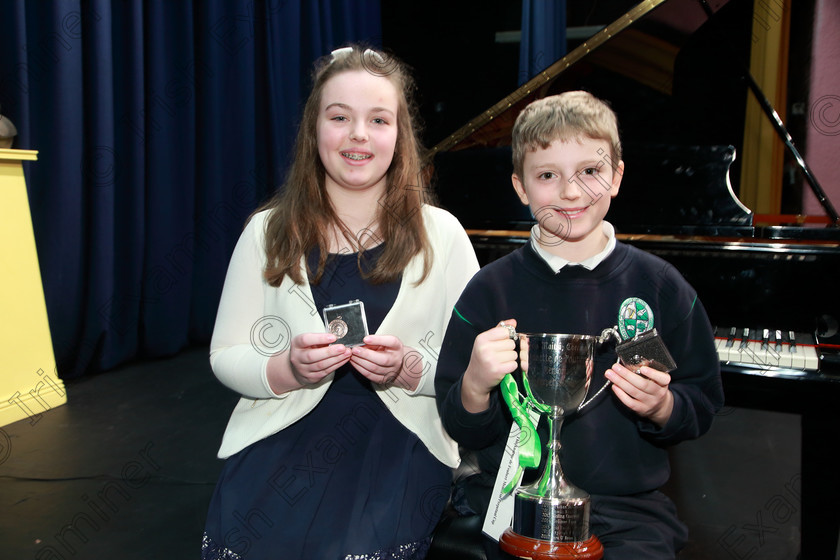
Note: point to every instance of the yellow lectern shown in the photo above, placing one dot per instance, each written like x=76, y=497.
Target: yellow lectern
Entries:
x=29, y=382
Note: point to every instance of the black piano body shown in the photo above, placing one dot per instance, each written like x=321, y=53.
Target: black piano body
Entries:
x=769, y=287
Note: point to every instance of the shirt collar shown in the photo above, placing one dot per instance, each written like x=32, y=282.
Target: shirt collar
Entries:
x=557, y=263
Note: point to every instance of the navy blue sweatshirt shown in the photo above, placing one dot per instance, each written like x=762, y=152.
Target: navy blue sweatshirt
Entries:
x=606, y=448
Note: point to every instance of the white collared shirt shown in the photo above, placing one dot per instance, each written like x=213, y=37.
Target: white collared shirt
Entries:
x=557, y=263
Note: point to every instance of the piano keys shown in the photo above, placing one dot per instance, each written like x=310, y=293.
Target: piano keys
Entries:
x=770, y=351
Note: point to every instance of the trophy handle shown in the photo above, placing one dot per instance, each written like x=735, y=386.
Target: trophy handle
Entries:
x=606, y=384
x=606, y=335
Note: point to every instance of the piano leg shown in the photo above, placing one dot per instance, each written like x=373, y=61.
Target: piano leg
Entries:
x=820, y=485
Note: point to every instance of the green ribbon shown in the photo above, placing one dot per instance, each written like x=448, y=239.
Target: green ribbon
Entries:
x=529, y=441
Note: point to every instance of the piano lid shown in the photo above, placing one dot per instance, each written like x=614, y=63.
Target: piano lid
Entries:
x=673, y=72
x=641, y=45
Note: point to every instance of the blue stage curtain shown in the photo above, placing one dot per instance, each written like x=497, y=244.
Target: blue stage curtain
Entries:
x=160, y=126
x=543, y=38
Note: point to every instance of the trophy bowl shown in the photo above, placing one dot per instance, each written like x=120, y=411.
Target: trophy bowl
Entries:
x=551, y=516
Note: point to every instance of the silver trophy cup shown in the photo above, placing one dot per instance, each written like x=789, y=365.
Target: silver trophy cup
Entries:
x=551, y=516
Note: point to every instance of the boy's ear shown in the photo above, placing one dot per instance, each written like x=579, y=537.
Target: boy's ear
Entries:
x=520, y=189
x=618, y=174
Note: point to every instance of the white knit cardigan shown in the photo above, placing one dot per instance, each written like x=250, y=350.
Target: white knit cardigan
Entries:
x=256, y=320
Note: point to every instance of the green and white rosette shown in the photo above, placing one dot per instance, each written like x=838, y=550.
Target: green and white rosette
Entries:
x=634, y=317
x=641, y=345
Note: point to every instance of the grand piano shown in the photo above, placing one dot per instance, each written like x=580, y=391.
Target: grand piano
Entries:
x=668, y=70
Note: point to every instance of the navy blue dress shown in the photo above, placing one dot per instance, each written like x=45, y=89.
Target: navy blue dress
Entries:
x=345, y=481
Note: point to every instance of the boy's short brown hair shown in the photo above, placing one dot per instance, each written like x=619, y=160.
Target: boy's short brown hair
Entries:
x=563, y=117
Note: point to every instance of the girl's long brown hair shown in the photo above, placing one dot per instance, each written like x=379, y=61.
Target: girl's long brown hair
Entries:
x=302, y=216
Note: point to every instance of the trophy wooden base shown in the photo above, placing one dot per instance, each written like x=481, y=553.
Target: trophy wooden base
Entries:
x=536, y=549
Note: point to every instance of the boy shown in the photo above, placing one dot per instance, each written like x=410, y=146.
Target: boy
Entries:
x=573, y=277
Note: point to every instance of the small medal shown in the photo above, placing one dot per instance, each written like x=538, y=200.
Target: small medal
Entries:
x=338, y=327
x=347, y=322
x=634, y=317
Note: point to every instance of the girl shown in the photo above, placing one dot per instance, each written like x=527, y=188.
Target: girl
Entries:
x=336, y=451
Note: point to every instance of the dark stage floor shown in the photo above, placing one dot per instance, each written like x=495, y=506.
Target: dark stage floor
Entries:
x=126, y=468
